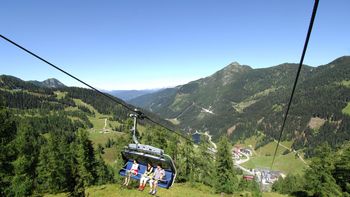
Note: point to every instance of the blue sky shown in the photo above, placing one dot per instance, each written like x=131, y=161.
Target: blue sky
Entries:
x=138, y=44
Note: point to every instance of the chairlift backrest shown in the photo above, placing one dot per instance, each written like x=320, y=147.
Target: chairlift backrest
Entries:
x=146, y=149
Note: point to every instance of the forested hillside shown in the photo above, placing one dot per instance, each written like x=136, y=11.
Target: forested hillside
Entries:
x=68, y=139
x=45, y=143
x=240, y=101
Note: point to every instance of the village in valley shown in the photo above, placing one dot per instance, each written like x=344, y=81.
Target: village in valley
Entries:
x=240, y=155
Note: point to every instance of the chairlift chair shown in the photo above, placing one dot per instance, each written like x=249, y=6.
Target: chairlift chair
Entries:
x=145, y=154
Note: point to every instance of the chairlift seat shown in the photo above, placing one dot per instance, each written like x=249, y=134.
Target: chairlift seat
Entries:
x=143, y=158
x=164, y=183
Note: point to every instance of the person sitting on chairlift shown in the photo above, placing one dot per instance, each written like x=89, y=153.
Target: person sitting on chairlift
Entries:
x=133, y=171
x=158, y=175
x=148, y=175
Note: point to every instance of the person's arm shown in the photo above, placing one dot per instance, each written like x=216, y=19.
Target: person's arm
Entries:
x=162, y=175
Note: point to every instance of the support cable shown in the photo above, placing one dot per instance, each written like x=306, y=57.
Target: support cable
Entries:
x=112, y=98
x=297, y=77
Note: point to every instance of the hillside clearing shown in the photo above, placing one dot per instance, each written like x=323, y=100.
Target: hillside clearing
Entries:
x=262, y=157
x=316, y=123
x=346, y=110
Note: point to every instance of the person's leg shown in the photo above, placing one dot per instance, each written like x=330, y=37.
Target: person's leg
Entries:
x=151, y=185
x=155, y=184
x=126, y=178
x=129, y=176
x=142, y=182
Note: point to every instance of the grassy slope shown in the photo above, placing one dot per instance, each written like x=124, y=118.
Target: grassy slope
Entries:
x=98, y=122
x=114, y=190
x=346, y=110
x=110, y=154
x=272, y=194
x=96, y=134
x=178, y=190
x=99, y=119
x=262, y=157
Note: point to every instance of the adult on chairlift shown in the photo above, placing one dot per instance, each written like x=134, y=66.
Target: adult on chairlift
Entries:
x=133, y=171
x=158, y=176
x=148, y=175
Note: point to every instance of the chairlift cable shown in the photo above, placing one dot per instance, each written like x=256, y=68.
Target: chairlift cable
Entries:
x=297, y=77
x=93, y=88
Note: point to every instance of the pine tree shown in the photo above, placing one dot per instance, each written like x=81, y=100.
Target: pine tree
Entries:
x=54, y=163
x=27, y=147
x=204, y=165
x=172, y=147
x=318, y=177
x=84, y=153
x=185, y=162
x=289, y=185
x=76, y=187
x=226, y=180
x=103, y=173
x=8, y=132
x=342, y=171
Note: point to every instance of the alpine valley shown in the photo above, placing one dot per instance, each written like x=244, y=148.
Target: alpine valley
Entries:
x=241, y=102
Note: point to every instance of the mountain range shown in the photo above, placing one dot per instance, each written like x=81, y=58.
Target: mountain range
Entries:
x=237, y=101
x=240, y=102
x=49, y=83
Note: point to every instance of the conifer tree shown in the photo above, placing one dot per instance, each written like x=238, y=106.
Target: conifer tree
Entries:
x=103, y=173
x=318, y=177
x=342, y=171
x=8, y=132
x=185, y=162
x=54, y=163
x=76, y=187
x=84, y=153
x=226, y=180
x=172, y=147
x=27, y=147
x=290, y=184
x=204, y=165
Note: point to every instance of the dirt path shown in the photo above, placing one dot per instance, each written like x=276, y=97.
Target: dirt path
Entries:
x=241, y=161
x=302, y=159
x=104, y=127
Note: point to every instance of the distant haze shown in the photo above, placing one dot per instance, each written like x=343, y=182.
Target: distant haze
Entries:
x=127, y=95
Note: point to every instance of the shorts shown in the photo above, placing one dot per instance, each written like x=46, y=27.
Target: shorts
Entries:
x=134, y=172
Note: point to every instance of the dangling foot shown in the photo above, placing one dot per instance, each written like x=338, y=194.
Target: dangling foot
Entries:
x=154, y=192
x=151, y=191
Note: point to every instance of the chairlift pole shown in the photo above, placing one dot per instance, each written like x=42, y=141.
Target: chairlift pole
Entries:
x=138, y=114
